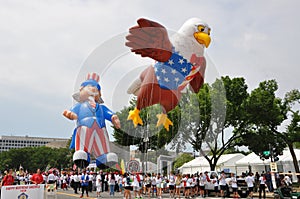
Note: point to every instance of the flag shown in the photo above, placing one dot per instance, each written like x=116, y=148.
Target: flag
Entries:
x=122, y=167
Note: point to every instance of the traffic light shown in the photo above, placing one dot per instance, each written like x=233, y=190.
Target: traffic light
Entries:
x=266, y=154
x=276, y=153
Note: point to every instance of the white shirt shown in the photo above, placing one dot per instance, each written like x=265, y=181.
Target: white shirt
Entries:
x=158, y=180
x=261, y=180
x=153, y=182
x=189, y=182
x=91, y=177
x=233, y=182
x=51, y=177
x=119, y=179
x=287, y=180
x=76, y=178
x=98, y=180
x=222, y=180
x=215, y=181
x=135, y=182
x=202, y=180
x=171, y=180
x=250, y=181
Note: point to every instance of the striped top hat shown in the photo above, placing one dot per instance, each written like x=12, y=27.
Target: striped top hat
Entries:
x=92, y=79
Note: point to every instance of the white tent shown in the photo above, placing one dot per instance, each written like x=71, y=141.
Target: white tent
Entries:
x=252, y=160
x=200, y=164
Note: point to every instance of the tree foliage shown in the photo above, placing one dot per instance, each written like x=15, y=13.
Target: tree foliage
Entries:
x=220, y=117
x=183, y=158
x=265, y=114
x=220, y=107
x=32, y=158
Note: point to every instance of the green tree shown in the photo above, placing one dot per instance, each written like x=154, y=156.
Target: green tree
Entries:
x=221, y=109
x=180, y=160
x=263, y=111
x=265, y=114
x=32, y=158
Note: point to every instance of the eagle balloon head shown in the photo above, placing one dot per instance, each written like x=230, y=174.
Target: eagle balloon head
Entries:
x=197, y=29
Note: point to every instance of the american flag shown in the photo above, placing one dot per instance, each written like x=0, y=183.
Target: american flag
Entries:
x=172, y=73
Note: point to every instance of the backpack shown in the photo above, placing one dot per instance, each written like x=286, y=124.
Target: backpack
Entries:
x=128, y=181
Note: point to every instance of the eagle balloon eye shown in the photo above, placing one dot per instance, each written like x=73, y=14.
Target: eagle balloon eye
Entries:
x=201, y=28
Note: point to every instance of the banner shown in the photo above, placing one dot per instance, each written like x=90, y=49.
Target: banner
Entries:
x=23, y=192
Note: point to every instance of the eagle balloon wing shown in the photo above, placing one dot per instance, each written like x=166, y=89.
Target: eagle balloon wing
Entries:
x=150, y=39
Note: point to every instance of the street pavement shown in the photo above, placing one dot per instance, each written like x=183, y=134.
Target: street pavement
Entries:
x=69, y=194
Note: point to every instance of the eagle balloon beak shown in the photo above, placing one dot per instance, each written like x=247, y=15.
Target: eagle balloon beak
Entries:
x=202, y=38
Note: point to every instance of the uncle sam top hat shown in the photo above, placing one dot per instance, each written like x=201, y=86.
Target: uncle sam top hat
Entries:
x=92, y=79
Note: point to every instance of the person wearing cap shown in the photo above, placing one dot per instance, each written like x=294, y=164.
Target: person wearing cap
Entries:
x=90, y=134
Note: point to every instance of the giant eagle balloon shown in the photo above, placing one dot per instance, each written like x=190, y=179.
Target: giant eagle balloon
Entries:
x=179, y=61
x=90, y=134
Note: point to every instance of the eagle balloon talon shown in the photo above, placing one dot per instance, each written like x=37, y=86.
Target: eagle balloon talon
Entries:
x=135, y=117
x=164, y=120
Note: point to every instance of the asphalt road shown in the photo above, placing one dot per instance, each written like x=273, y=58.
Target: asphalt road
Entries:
x=69, y=194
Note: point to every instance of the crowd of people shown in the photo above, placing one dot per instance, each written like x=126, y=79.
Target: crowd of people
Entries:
x=147, y=185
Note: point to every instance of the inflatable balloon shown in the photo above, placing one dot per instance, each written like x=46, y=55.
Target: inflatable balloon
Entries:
x=90, y=134
x=179, y=61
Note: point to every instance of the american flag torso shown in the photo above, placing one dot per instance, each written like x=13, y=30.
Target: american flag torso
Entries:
x=177, y=72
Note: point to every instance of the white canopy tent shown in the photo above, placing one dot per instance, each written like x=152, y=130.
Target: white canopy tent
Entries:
x=200, y=164
x=252, y=160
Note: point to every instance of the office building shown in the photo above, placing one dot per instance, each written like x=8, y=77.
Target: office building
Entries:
x=15, y=142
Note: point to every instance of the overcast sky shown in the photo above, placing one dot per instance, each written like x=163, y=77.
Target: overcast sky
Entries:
x=46, y=47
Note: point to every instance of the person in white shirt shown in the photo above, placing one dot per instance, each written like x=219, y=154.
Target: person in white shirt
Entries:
x=51, y=178
x=172, y=184
x=234, y=185
x=153, y=183
x=287, y=180
x=76, y=182
x=188, y=183
x=262, y=185
x=214, y=180
x=119, y=181
x=136, y=185
x=159, y=185
x=98, y=184
x=250, y=183
x=222, y=183
x=202, y=181
x=127, y=186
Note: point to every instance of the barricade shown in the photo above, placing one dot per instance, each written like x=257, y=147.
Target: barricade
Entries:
x=23, y=191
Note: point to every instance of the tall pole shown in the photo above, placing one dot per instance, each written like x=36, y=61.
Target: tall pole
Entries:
x=272, y=160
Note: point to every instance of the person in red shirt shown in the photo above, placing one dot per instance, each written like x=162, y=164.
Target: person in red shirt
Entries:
x=8, y=179
x=37, y=178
